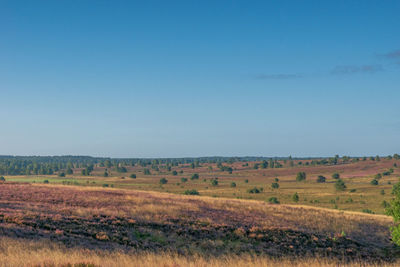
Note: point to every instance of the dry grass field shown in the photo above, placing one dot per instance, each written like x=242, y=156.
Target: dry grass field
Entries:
x=48, y=220
x=52, y=225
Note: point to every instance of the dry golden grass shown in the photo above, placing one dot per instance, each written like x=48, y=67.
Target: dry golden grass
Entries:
x=19, y=253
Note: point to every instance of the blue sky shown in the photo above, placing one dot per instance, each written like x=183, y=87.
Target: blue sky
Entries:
x=199, y=78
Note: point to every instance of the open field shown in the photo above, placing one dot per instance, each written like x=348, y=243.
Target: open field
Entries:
x=360, y=194
x=147, y=215
x=78, y=221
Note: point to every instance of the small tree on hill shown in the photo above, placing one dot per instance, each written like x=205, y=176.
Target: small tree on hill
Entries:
x=163, y=181
x=336, y=175
x=321, y=179
x=340, y=185
x=301, y=176
x=295, y=197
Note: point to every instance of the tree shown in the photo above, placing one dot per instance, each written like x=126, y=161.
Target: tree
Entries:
x=394, y=211
x=105, y=174
x=70, y=171
x=301, y=176
x=163, y=181
x=295, y=197
x=174, y=173
x=233, y=184
x=133, y=176
x=340, y=185
x=336, y=175
x=321, y=179
x=61, y=174
x=146, y=171
x=214, y=182
x=195, y=176
x=2, y=179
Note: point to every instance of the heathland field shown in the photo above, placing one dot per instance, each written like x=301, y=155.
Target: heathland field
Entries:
x=239, y=180
x=238, y=213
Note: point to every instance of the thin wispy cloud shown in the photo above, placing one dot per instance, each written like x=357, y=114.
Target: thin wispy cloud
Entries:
x=354, y=69
x=393, y=56
x=277, y=76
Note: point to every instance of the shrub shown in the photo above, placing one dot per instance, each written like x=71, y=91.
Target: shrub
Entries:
x=246, y=181
x=105, y=174
x=336, y=175
x=394, y=211
x=274, y=185
x=353, y=190
x=276, y=180
x=184, y=180
x=233, y=184
x=174, y=173
x=382, y=192
x=163, y=181
x=46, y=181
x=321, y=179
x=146, y=172
x=340, y=185
x=254, y=190
x=195, y=176
x=191, y=192
x=386, y=173
x=368, y=211
x=301, y=176
x=2, y=179
x=133, y=176
x=70, y=171
x=374, y=182
x=61, y=174
x=273, y=200
x=378, y=176
x=295, y=197
x=214, y=182
x=105, y=185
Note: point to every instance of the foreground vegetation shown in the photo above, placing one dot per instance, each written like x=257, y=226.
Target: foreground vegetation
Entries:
x=188, y=212
x=127, y=221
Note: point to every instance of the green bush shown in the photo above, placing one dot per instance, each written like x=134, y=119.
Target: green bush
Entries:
x=340, y=185
x=274, y=185
x=2, y=179
x=191, y=192
x=174, y=173
x=133, y=176
x=374, y=182
x=321, y=179
x=276, y=180
x=46, y=181
x=195, y=176
x=255, y=190
x=246, y=181
x=336, y=175
x=214, y=182
x=233, y=184
x=163, y=181
x=368, y=211
x=273, y=200
x=378, y=176
x=295, y=197
x=301, y=176
x=184, y=180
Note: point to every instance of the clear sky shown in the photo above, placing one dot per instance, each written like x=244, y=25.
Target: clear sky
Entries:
x=199, y=78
